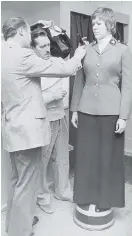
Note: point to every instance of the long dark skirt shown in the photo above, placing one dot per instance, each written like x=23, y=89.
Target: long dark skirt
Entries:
x=99, y=169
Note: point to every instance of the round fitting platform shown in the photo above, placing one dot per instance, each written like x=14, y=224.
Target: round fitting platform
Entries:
x=92, y=220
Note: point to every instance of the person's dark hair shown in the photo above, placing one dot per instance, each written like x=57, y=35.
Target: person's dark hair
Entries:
x=11, y=26
x=107, y=15
x=38, y=32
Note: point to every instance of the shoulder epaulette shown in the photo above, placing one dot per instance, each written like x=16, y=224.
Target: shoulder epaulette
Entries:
x=123, y=42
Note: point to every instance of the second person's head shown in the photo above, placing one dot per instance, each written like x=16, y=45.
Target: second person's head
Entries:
x=41, y=43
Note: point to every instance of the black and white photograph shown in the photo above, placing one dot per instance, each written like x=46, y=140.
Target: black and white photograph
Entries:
x=66, y=118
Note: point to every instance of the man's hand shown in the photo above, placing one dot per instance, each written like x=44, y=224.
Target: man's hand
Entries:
x=59, y=94
x=85, y=40
x=64, y=93
x=74, y=119
x=80, y=52
x=120, y=126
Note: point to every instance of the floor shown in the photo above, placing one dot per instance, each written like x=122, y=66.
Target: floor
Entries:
x=61, y=222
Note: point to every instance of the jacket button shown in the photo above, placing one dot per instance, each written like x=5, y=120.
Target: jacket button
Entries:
x=95, y=94
x=98, y=64
x=97, y=74
x=96, y=84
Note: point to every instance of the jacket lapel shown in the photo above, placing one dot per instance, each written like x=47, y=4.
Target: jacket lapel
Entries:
x=95, y=47
x=108, y=47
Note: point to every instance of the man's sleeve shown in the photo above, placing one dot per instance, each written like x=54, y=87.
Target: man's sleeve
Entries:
x=48, y=96
x=126, y=88
x=33, y=66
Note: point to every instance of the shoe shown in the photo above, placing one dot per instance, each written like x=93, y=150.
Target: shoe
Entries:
x=35, y=220
x=46, y=208
x=69, y=199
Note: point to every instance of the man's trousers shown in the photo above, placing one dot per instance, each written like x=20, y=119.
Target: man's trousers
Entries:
x=23, y=191
x=58, y=151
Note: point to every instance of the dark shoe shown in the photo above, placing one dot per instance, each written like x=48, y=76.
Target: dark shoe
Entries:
x=35, y=220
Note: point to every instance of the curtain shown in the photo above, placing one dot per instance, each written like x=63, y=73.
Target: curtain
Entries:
x=119, y=35
x=80, y=24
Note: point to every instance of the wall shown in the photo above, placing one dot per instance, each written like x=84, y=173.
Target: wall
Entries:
x=88, y=7
x=31, y=11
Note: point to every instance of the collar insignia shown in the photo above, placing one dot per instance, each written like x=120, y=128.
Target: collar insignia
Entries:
x=113, y=41
x=94, y=42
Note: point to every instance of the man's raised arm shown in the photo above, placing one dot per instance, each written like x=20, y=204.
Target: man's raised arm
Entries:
x=33, y=66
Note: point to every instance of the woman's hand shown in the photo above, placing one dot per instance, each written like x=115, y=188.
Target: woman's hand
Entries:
x=74, y=119
x=120, y=126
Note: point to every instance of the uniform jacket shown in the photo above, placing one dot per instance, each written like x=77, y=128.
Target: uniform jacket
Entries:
x=104, y=85
x=24, y=114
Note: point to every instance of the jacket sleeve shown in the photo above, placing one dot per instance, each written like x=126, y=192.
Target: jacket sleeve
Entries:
x=33, y=66
x=48, y=96
x=126, y=87
x=77, y=90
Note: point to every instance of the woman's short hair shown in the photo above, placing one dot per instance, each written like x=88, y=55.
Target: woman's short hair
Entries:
x=107, y=16
x=11, y=26
x=37, y=33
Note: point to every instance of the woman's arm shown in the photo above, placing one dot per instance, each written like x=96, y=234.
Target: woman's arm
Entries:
x=126, y=88
x=126, y=91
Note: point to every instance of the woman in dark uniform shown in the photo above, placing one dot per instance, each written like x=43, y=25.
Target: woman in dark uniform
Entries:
x=101, y=104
